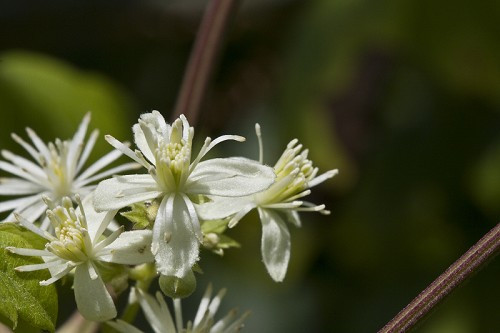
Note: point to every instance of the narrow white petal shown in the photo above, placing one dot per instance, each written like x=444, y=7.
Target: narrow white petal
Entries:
x=275, y=244
x=97, y=222
x=28, y=252
x=15, y=170
x=231, y=177
x=92, y=298
x=206, y=148
x=98, y=246
x=130, y=248
x=99, y=164
x=194, y=217
x=36, y=267
x=39, y=144
x=293, y=217
x=125, y=150
x=19, y=203
x=238, y=216
x=34, y=211
x=104, y=174
x=24, y=164
x=321, y=178
x=177, y=246
x=29, y=148
x=158, y=317
x=121, y=191
x=203, y=307
x=62, y=271
x=30, y=226
x=142, y=143
x=76, y=144
x=87, y=149
x=16, y=186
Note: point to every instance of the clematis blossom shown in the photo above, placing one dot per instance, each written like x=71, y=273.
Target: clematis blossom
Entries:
x=79, y=244
x=175, y=179
x=56, y=173
x=280, y=203
x=159, y=317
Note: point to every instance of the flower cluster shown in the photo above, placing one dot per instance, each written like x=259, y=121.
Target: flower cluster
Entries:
x=179, y=205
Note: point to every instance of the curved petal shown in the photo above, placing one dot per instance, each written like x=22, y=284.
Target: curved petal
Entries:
x=230, y=177
x=174, y=243
x=96, y=221
x=121, y=191
x=92, y=298
x=130, y=248
x=142, y=143
x=16, y=186
x=222, y=207
x=275, y=244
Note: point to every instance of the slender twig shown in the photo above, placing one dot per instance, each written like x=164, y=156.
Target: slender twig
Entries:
x=203, y=55
x=485, y=249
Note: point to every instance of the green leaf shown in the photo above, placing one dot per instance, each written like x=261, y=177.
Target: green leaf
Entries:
x=25, y=305
x=142, y=215
x=215, y=226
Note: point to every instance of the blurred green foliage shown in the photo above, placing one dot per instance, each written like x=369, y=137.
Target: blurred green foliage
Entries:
x=402, y=96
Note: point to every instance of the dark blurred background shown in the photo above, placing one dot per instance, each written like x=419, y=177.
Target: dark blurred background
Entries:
x=403, y=97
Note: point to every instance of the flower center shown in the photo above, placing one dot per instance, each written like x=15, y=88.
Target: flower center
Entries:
x=293, y=171
x=173, y=159
x=57, y=169
x=70, y=232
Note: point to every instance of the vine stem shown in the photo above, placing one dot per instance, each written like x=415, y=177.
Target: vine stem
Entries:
x=202, y=59
x=485, y=249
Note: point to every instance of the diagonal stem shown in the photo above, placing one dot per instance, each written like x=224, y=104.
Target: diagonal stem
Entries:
x=202, y=59
x=486, y=248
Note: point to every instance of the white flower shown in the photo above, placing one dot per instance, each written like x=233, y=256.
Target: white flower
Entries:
x=281, y=202
x=160, y=319
x=165, y=151
x=56, y=173
x=79, y=244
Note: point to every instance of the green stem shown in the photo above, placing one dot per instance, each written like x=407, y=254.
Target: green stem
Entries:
x=486, y=248
x=202, y=59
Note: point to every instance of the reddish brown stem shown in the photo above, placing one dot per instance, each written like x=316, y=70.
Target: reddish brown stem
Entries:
x=485, y=249
x=202, y=59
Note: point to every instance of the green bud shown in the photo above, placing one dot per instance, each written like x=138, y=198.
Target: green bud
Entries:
x=175, y=287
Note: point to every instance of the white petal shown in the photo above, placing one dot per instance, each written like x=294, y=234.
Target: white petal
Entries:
x=293, y=217
x=142, y=143
x=76, y=144
x=321, y=178
x=121, y=191
x=174, y=244
x=110, y=172
x=19, y=203
x=275, y=244
x=221, y=207
x=86, y=151
x=131, y=248
x=24, y=164
x=156, y=312
x=99, y=164
x=16, y=186
x=39, y=144
x=92, y=298
x=232, y=177
x=34, y=211
x=97, y=222
x=15, y=170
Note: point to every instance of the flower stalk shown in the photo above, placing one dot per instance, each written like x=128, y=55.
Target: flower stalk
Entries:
x=202, y=59
x=462, y=269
